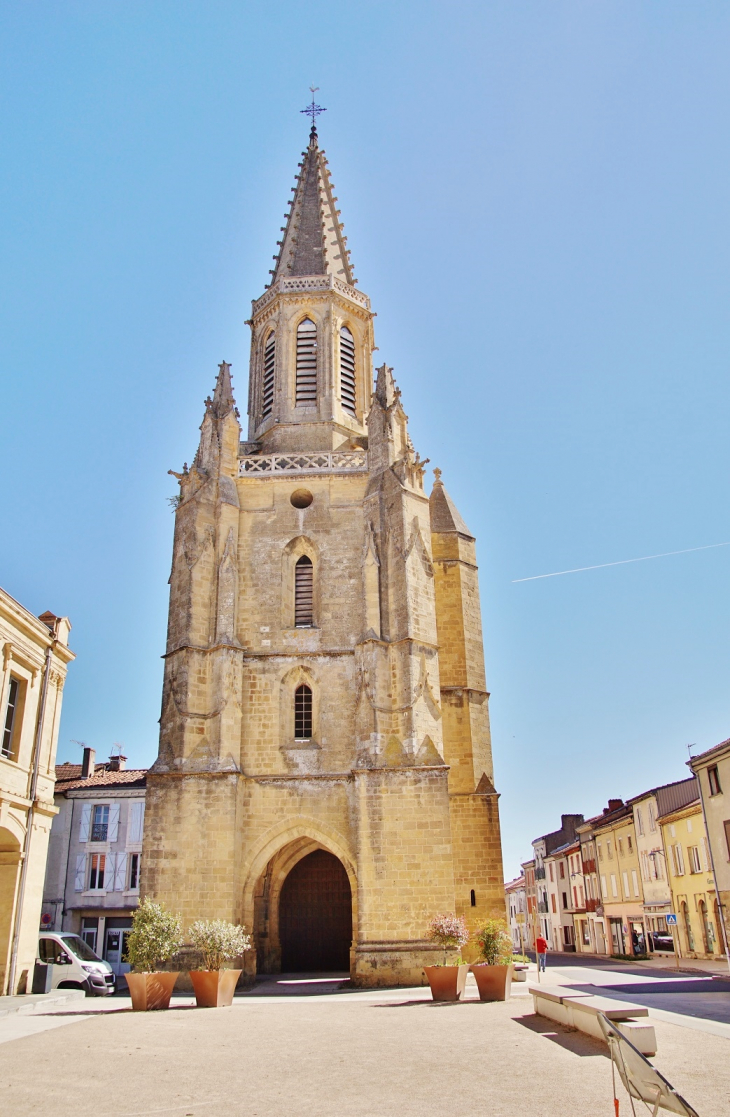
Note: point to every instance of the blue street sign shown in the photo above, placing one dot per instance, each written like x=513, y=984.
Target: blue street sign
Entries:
x=671, y=920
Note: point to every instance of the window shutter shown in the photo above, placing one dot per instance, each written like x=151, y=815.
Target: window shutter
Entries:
x=113, y=822
x=635, y=881
x=306, y=379
x=136, y=822
x=626, y=885
x=120, y=872
x=85, y=822
x=268, y=385
x=347, y=370
x=109, y=865
x=604, y=890
x=80, y=878
x=303, y=592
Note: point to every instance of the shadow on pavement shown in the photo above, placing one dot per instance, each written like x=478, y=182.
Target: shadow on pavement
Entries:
x=575, y=1042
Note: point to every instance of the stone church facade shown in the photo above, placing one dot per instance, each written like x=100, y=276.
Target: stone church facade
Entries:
x=324, y=772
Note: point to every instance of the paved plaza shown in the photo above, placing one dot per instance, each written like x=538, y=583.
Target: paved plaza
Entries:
x=291, y=1050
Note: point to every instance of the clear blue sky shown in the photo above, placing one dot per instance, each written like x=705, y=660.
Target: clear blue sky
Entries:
x=536, y=198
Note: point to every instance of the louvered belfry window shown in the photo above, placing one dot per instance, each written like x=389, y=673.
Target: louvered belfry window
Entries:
x=269, y=365
x=347, y=369
x=303, y=592
x=303, y=713
x=306, y=363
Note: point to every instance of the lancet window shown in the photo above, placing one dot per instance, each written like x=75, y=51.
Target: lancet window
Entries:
x=347, y=370
x=304, y=592
x=303, y=712
x=269, y=366
x=306, y=380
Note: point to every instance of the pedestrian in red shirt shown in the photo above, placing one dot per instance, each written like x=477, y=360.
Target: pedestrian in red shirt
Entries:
x=541, y=947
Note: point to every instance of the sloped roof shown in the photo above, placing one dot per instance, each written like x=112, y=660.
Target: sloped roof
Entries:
x=68, y=778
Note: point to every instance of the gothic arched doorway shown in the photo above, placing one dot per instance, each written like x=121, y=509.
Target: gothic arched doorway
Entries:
x=315, y=916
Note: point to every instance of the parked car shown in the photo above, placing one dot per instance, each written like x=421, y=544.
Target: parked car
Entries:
x=661, y=940
x=74, y=964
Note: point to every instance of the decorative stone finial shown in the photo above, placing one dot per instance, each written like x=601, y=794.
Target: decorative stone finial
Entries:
x=437, y=475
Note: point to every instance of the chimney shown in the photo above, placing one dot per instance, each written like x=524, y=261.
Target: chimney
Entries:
x=87, y=764
x=614, y=805
x=116, y=763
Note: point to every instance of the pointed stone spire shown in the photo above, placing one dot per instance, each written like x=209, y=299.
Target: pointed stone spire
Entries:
x=445, y=516
x=314, y=242
x=223, y=400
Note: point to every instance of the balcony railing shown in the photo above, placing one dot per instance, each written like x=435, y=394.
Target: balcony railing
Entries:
x=350, y=461
x=592, y=905
x=589, y=866
x=540, y=873
x=542, y=907
x=99, y=831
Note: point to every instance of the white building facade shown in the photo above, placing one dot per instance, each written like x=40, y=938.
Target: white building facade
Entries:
x=95, y=855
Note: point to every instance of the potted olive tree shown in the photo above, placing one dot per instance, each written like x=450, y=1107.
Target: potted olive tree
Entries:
x=218, y=942
x=447, y=981
x=155, y=936
x=494, y=974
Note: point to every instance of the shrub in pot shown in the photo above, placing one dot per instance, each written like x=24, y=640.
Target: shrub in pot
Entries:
x=447, y=981
x=494, y=974
x=155, y=936
x=218, y=942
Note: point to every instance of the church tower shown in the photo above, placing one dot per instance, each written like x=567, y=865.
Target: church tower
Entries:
x=324, y=772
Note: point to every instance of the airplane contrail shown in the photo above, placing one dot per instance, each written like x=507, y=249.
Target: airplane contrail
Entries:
x=621, y=562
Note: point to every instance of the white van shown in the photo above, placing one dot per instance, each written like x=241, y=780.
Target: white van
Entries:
x=74, y=964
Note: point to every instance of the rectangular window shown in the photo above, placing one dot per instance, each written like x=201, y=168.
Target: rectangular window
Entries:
x=644, y=864
x=689, y=825
x=625, y=877
x=620, y=844
x=609, y=850
x=565, y=901
x=133, y=872
x=630, y=843
x=693, y=854
x=639, y=821
x=562, y=870
x=11, y=710
x=303, y=713
x=726, y=825
x=552, y=901
x=635, y=881
x=96, y=872
x=100, y=823
x=678, y=859
x=599, y=847
x=551, y=871
x=713, y=778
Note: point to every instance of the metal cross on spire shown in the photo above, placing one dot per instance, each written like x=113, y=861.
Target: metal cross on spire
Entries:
x=314, y=109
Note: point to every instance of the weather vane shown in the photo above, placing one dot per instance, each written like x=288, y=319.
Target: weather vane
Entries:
x=314, y=109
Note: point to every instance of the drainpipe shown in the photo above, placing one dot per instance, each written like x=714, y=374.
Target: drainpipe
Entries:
x=31, y=813
x=720, y=905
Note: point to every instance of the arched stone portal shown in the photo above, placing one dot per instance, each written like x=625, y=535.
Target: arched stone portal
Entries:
x=315, y=915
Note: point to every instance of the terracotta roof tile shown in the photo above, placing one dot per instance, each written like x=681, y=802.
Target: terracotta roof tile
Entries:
x=71, y=780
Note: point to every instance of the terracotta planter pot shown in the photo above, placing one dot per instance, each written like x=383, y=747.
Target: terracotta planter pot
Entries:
x=214, y=988
x=494, y=982
x=151, y=990
x=447, y=982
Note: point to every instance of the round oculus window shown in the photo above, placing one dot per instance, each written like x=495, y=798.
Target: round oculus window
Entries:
x=301, y=498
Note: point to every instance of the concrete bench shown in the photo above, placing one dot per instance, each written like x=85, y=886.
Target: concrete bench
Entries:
x=519, y=971
x=578, y=1010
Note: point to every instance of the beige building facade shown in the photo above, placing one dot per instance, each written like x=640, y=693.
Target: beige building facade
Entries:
x=712, y=769
x=324, y=773
x=620, y=877
x=691, y=881
x=35, y=660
